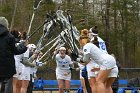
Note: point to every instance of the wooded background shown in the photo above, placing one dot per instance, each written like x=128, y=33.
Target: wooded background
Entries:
x=118, y=22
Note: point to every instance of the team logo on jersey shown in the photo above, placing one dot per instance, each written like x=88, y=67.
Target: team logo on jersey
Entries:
x=85, y=50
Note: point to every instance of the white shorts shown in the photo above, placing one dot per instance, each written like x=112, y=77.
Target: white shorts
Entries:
x=109, y=63
x=60, y=74
x=90, y=66
x=17, y=75
x=114, y=72
x=25, y=74
x=18, y=70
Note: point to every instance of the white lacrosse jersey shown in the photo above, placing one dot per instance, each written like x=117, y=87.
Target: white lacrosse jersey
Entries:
x=63, y=63
x=102, y=44
x=18, y=59
x=20, y=68
x=26, y=69
x=95, y=53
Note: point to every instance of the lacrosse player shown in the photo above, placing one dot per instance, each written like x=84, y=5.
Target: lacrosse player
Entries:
x=80, y=67
x=93, y=32
x=63, y=72
x=83, y=40
x=22, y=77
x=107, y=65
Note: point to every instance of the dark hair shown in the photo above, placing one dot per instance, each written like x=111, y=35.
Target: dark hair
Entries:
x=95, y=27
x=95, y=30
x=95, y=41
x=24, y=35
x=16, y=34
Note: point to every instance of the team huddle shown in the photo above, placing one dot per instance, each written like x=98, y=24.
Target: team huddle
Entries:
x=92, y=57
x=101, y=66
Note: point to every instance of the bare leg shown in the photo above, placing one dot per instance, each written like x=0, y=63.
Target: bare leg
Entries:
x=108, y=84
x=83, y=85
x=60, y=85
x=100, y=81
x=24, y=86
x=67, y=86
x=92, y=82
x=18, y=86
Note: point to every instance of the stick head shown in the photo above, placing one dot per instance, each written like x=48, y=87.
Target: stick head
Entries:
x=31, y=46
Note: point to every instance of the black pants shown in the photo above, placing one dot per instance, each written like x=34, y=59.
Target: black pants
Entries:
x=2, y=87
x=9, y=86
x=6, y=85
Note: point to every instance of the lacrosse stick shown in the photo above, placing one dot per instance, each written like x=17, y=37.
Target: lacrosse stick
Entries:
x=72, y=34
x=60, y=44
x=62, y=18
x=68, y=25
x=49, y=42
x=50, y=22
x=35, y=7
x=64, y=39
x=62, y=33
x=39, y=44
x=46, y=43
x=35, y=31
x=49, y=49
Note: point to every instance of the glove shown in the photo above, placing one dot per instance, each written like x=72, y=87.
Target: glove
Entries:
x=80, y=60
x=27, y=62
x=71, y=69
x=74, y=56
x=39, y=64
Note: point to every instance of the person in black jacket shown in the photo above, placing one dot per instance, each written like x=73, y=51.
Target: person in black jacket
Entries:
x=7, y=51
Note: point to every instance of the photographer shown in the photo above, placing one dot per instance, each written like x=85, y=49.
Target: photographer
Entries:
x=7, y=51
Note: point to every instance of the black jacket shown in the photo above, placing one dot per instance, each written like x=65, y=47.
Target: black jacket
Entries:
x=7, y=52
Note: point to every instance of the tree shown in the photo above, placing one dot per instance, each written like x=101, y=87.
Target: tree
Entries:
x=107, y=23
x=14, y=13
